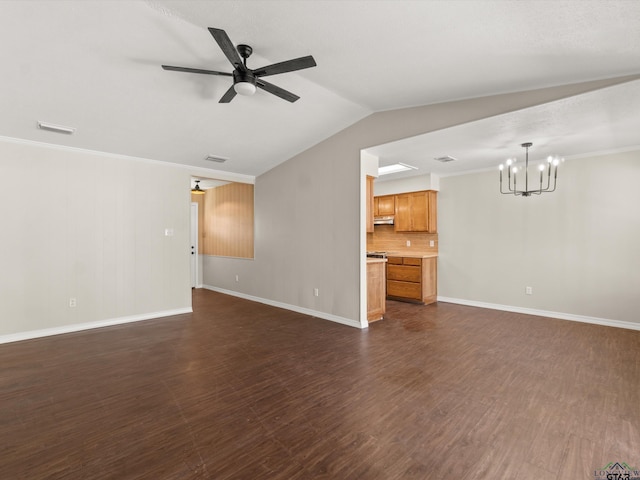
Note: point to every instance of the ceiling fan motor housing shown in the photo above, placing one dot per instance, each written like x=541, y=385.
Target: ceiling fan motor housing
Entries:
x=246, y=76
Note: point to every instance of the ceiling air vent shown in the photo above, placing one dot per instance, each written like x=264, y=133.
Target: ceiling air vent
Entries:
x=56, y=128
x=214, y=158
x=445, y=159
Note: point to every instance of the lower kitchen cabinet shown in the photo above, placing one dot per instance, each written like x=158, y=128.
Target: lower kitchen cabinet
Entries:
x=376, y=305
x=412, y=279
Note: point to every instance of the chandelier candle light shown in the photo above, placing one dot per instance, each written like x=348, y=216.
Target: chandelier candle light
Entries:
x=512, y=171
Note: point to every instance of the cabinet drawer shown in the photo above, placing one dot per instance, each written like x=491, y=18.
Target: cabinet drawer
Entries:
x=394, y=260
x=412, y=261
x=405, y=273
x=404, y=289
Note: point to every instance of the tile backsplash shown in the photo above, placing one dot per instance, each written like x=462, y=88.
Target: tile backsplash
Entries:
x=384, y=238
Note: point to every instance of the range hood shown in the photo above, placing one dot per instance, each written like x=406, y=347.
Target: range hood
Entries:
x=383, y=220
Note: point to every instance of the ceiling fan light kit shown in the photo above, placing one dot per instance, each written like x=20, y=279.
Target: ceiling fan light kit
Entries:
x=245, y=88
x=512, y=171
x=245, y=79
x=244, y=83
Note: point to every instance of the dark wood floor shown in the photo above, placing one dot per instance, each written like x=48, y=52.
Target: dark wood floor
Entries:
x=239, y=390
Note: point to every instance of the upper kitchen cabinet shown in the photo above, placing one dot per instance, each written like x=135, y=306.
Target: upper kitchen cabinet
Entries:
x=384, y=205
x=416, y=212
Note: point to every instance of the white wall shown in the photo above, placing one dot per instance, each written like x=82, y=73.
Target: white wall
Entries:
x=90, y=226
x=578, y=247
x=307, y=214
x=408, y=184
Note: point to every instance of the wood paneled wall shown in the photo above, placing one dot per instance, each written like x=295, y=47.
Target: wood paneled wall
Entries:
x=228, y=221
x=385, y=239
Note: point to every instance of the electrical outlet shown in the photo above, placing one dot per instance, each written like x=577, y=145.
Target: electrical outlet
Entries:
x=73, y=303
x=316, y=292
x=408, y=243
x=528, y=290
x=432, y=243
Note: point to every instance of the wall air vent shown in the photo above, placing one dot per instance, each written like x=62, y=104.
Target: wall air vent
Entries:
x=445, y=159
x=56, y=128
x=215, y=158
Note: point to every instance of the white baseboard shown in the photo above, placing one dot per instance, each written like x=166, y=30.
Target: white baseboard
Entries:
x=16, y=337
x=544, y=313
x=286, y=306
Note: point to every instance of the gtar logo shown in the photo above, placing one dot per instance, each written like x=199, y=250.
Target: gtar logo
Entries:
x=617, y=471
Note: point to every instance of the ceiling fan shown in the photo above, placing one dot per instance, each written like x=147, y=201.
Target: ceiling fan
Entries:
x=245, y=79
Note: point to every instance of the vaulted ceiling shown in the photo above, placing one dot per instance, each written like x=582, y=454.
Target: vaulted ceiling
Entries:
x=95, y=66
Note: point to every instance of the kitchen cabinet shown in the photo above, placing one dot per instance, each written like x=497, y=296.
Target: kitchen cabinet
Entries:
x=416, y=212
x=376, y=304
x=384, y=205
x=412, y=279
x=370, y=204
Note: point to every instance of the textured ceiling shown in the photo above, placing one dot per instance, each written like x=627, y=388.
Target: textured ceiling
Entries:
x=95, y=65
x=601, y=121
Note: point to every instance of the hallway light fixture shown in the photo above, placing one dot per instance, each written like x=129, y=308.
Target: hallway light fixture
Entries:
x=197, y=190
x=512, y=171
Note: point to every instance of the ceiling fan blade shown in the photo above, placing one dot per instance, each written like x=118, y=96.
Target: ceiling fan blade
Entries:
x=196, y=70
x=277, y=91
x=287, y=66
x=229, y=50
x=228, y=96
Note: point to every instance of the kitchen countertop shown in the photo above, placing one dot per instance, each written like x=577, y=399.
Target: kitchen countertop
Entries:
x=376, y=260
x=412, y=254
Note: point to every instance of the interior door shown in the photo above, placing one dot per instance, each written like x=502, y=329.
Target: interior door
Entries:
x=194, y=245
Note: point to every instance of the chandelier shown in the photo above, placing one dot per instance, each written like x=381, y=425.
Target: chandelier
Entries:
x=513, y=170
